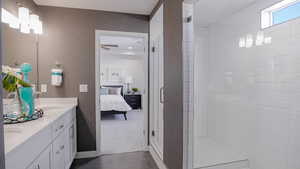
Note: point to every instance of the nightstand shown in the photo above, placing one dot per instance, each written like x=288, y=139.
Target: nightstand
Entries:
x=134, y=100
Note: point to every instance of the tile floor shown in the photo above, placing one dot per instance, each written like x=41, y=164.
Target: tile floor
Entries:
x=136, y=160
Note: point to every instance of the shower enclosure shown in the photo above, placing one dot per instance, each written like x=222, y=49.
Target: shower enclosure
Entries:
x=242, y=86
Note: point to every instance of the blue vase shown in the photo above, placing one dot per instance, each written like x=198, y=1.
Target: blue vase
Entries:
x=26, y=95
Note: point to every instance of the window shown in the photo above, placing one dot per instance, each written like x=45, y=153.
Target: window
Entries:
x=281, y=12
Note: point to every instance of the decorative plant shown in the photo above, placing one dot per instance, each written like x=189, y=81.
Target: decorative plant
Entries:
x=135, y=90
x=12, y=81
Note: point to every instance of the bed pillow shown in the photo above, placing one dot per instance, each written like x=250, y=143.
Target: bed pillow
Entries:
x=114, y=91
x=104, y=91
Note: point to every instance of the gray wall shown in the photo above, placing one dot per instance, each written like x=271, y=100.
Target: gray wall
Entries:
x=69, y=38
x=173, y=82
x=2, y=159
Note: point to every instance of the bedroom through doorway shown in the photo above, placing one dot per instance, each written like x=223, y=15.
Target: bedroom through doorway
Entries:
x=121, y=92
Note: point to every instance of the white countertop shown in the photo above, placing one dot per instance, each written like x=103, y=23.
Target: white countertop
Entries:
x=16, y=134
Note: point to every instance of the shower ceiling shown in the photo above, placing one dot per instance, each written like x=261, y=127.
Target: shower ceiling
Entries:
x=210, y=11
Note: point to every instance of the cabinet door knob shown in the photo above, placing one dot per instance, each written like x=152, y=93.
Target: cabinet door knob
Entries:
x=62, y=147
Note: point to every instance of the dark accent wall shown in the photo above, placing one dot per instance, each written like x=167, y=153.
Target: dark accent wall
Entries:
x=69, y=38
x=173, y=82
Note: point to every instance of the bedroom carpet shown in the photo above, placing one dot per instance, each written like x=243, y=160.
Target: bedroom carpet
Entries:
x=120, y=136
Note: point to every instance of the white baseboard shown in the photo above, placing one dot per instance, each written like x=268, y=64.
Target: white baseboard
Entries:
x=155, y=156
x=87, y=154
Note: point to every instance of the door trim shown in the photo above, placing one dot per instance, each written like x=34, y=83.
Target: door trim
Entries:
x=99, y=33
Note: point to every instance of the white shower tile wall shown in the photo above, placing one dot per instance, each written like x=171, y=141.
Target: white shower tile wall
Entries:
x=188, y=94
x=253, y=93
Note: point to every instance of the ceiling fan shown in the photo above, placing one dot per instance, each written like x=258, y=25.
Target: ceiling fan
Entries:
x=109, y=46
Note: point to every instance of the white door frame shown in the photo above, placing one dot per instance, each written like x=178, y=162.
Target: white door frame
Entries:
x=98, y=34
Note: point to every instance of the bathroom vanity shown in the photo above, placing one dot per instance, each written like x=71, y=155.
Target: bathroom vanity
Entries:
x=46, y=143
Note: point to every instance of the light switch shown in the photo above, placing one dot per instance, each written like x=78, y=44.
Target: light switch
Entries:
x=44, y=88
x=83, y=88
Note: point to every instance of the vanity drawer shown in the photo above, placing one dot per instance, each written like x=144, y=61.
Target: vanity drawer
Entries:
x=59, y=126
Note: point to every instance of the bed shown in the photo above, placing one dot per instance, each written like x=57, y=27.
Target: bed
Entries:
x=112, y=101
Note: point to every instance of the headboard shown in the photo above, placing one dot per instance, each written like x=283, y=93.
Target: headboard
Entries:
x=116, y=86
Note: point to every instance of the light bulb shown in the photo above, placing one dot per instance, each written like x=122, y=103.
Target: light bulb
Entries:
x=39, y=29
x=24, y=15
x=34, y=19
x=25, y=28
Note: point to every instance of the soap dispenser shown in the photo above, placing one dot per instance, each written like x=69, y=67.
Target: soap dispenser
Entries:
x=57, y=75
x=26, y=93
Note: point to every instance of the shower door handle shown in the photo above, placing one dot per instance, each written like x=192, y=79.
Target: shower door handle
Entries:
x=161, y=95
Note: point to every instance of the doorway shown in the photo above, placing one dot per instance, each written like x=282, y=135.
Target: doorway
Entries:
x=121, y=91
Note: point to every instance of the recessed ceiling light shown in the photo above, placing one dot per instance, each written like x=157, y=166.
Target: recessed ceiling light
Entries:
x=130, y=47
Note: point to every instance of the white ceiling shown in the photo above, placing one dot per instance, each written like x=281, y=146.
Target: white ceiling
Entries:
x=125, y=6
x=210, y=11
x=129, y=46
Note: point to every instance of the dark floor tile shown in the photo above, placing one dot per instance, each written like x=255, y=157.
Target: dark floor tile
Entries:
x=136, y=160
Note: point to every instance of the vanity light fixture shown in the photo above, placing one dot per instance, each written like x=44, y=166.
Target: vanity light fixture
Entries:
x=35, y=24
x=25, y=21
x=39, y=29
x=34, y=19
x=14, y=23
x=10, y=19
x=6, y=16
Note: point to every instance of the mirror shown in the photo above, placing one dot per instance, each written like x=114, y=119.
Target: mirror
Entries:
x=18, y=47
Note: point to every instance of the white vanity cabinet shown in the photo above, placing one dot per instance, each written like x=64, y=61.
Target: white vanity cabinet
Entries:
x=51, y=147
x=70, y=140
x=59, y=152
x=43, y=161
x=63, y=145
